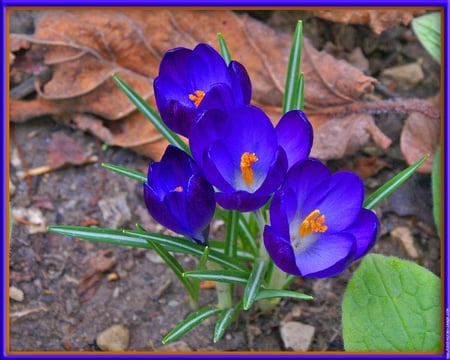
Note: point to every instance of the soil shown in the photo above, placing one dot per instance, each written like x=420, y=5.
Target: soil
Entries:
x=63, y=311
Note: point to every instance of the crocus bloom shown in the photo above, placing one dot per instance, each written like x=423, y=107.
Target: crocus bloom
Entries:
x=295, y=135
x=318, y=226
x=239, y=153
x=191, y=81
x=178, y=196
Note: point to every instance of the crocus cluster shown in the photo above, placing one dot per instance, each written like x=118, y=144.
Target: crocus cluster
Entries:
x=241, y=161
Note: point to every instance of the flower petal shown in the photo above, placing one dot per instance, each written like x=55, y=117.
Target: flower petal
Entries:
x=241, y=200
x=339, y=198
x=218, y=167
x=209, y=128
x=174, y=64
x=275, y=175
x=295, y=135
x=365, y=230
x=329, y=255
x=280, y=250
x=280, y=205
x=174, y=106
x=304, y=177
x=205, y=68
x=159, y=211
x=240, y=82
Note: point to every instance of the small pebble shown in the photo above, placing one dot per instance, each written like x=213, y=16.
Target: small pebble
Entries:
x=296, y=335
x=404, y=236
x=114, y=338
x=16, y=294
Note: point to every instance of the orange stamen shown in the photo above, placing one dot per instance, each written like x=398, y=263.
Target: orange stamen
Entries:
x=197, y=97
x=179, y=189
x=247, y=160
x=312, y=223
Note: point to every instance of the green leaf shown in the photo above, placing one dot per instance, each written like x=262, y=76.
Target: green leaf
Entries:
x=223, y=276
x=275, y=293
x=293, y=72
x=389, y=187
x=102, y=235
x=224, y=48
x=177, y=269
x=436, y=182
x=224, y=320
x=428, y=30
x=254, y=283
x=151, y=115
x=189, y=323
x=245, y=234
x=300, y=99
x=182, y=245
x=132, y=174
x=232, y=233
x=391, y=305
x=241, y=255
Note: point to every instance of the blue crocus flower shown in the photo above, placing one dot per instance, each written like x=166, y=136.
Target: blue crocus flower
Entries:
x=318, y=226
x=295, y=136
x=240, y=155
x=192, y=81
x=178, y=196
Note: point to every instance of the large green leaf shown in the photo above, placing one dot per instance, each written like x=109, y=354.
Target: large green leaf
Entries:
x=391, y=304
x=436, y=183
x=428, y=30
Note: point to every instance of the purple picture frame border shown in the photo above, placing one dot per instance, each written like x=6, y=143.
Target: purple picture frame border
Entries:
x=444, y=4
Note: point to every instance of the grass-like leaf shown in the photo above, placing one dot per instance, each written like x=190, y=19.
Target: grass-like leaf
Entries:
x=224, y=320
x=102, y=235
x=436, y=182
x=132, y=174
x=254, y=283
x=272, y=293
x=241, y=255
x=189, y=323
x=177, y=269
x=151, y=115
x=184, y=246
x=293, y=72
x=222, y=276
x=224, y=48
x=245, y=234
x=389, y=187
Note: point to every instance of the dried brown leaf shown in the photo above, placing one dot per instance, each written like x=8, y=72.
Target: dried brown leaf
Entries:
x=420, y=136
x=83, y=49
x=379, y=20
x=63, y=150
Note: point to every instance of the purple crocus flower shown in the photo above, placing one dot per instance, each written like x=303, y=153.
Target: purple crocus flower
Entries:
x=192, y=81
x=295, y=135
x=178, y=196
x=240, y=155
x=318, y=226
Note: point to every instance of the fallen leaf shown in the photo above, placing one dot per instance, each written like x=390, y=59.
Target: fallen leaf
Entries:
x=379, y=20
x=368, y=166
x=100, y=263
x=420, y=136
x=84, y=48
x=63, y=150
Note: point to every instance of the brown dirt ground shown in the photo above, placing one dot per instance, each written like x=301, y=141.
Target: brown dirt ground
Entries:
x=48, y=268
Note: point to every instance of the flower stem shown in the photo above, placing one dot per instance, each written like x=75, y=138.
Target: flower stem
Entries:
x=275, y=278
x=225, y=292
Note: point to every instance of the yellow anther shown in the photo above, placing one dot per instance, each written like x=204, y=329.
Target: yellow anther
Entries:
x=312, y=223
x=247, y=160
x=197, y=97
x=179, y=189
